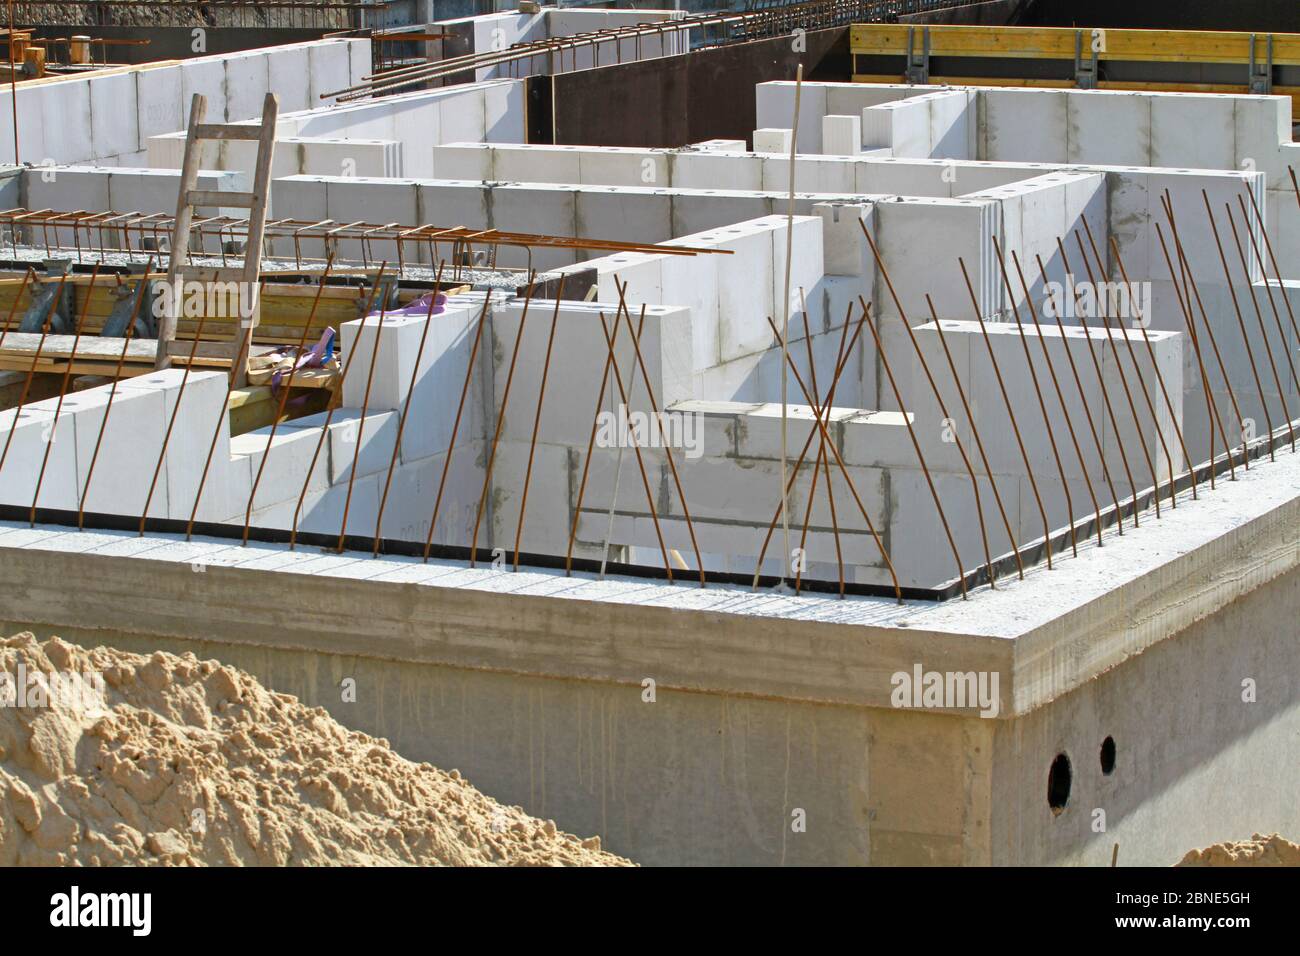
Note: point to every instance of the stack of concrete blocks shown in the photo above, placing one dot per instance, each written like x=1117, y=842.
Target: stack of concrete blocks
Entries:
x=775, y=105
x=366, y=442
x=930, y=126
x=138, y=418
x=121, y=108
x=641, y=214
x=730, y=295
x=661, y=357
x=1031, y=216
x=724, y=169
x=312, y=155
x=1117, y=129
x=383, y=137
x=1018, y=348
x=119, y=189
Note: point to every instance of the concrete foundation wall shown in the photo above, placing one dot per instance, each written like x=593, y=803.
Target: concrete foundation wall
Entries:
x=755, y=718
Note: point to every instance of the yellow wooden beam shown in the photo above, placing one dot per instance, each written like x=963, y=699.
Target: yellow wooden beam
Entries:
x=1058, y=43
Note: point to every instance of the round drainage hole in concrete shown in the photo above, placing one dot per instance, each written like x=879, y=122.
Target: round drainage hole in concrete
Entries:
x=1108, y=756
x=1058, y=783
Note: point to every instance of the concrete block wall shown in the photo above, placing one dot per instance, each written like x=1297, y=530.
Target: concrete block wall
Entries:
x=498, y=31
x=121, y=108
x=130, y=449
x=930, y=126
x=120, y=189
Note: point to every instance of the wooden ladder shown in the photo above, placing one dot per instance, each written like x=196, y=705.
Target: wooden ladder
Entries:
x=179, y=270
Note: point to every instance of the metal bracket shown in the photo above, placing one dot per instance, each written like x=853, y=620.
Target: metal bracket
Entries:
x=1085, y=72
x=126, y=296
x=52, y=301
x=1261, y=74
x=918, y=63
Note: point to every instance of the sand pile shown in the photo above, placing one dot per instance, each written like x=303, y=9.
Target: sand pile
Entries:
x=173, y=760
x=1257, y=851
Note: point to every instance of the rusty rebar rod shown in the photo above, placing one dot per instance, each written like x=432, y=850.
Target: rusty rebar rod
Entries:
x=839, y=460
x=840, y=364
x=1101, y=381
x=1241, y=324
x=112, y=392
x=361, y=419
x=223, y=424
x=284, y=398
x=817, y=409
x=406, y=406
x=1268, y=245
x=329, y=413
x=1083, y=403
x=63, y=391
x=943, y=408
x=537, y=419
x=979, y=443
x=1175, y=413
x=591, y=445
x=654, y=407
x=1211, y=407
x=636, y=448
x=1259, y=315
x=501, y=420
x=171, y=421
x=1123, y=377
x=1185, y=265
x=1060, y=395
x=1038, y=393
x=455, y=428
x=1011, y=414
x=822, y=457
x=916, y=446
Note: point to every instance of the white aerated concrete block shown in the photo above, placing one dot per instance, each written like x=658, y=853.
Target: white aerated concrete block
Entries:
x=721, y=146
x=247, y=82
x=114, y=129
x=842, y=135
x=201, y=414
x=1192, y=130
x=464, y=161
x=773, y=141
x=364, y=445
x=633, y=215
x=206, y=76
x=67, y=103
x=128, y=452
x=844, y=248
x=1108, y=127
x=713, y=171
x=1024, y=125
x=29, y=433
x=289, y=77
x=284, y=468
x=534, y=164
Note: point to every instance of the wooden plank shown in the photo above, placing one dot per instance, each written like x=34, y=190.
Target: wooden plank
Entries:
x=1057, y=43
x=228, y=131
